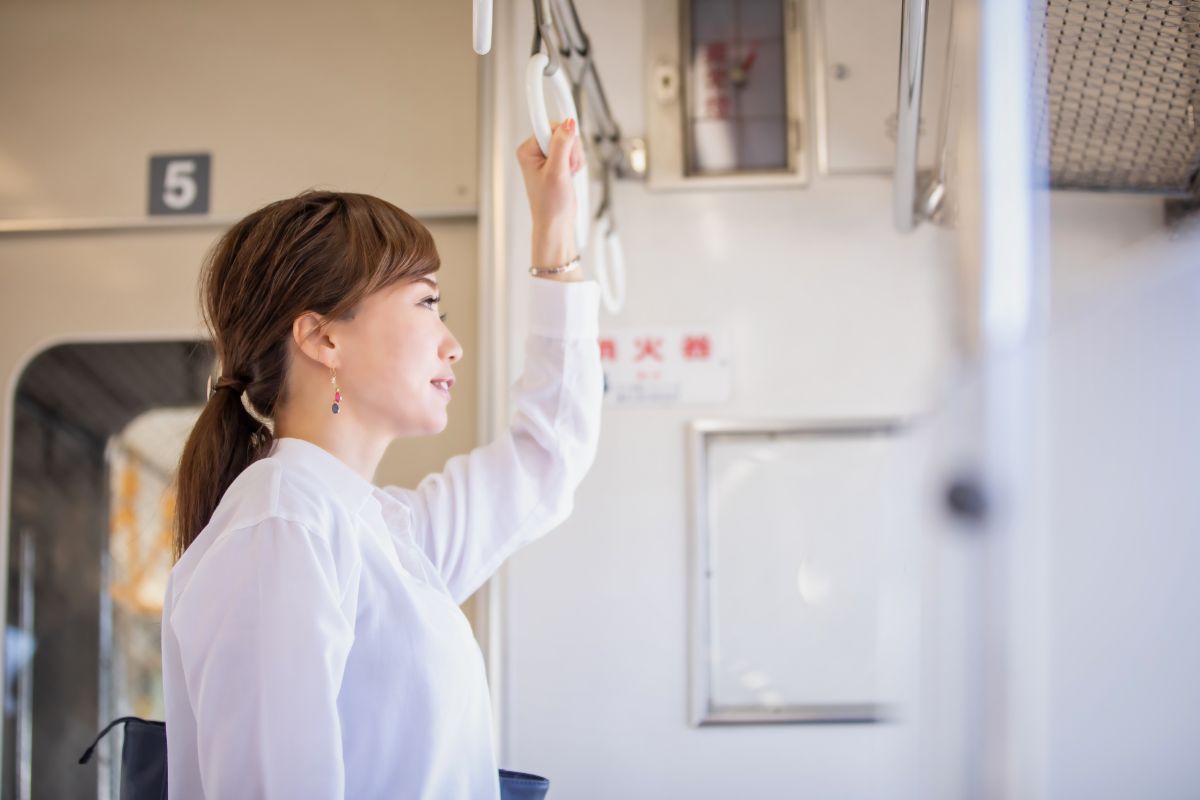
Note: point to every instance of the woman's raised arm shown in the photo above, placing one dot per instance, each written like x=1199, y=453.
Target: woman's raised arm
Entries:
x=486, y=504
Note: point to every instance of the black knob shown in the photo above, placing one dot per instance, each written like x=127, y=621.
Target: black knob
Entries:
x=966, y=498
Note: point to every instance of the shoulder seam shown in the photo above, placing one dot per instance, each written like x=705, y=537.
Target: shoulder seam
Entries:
x=274, y=491
x=306, y=524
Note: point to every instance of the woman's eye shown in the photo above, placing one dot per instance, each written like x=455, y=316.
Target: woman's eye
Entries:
x=434, y=301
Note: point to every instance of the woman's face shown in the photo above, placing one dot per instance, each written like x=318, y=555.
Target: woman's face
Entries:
x=397, y=357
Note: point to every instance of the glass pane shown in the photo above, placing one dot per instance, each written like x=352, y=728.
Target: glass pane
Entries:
x=142, y=462
x=736, y=87
x=805, y=574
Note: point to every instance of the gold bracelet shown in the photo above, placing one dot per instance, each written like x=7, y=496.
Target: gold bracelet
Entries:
x=567, y=267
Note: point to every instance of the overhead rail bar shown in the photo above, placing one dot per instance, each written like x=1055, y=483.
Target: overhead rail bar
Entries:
x=22, y=227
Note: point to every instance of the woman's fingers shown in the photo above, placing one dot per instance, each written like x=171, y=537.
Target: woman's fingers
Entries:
x=577, y=157
x=529, y=153
x=561, y=147
x=547, y=178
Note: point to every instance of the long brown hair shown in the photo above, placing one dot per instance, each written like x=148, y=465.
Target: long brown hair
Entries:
x=319, y=251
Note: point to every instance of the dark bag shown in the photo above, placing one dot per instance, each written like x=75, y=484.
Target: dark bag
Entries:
x=143, y=758
x=522, y=786
x=144, y=765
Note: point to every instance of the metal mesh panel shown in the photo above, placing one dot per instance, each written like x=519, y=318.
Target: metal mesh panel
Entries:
x=1122, y=86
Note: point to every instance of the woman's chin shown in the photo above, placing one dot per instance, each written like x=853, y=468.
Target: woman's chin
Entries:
x=430, y=426
x=437, y=424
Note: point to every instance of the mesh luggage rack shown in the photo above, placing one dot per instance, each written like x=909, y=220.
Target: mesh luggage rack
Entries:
x=1122, y=82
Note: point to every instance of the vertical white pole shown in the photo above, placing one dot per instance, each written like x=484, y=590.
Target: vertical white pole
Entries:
x=1013, y=289
x=495, y=100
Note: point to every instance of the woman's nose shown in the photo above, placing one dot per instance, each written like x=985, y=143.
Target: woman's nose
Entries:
x=451, y=349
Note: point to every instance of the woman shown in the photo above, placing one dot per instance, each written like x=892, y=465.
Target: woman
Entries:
x=312, y=640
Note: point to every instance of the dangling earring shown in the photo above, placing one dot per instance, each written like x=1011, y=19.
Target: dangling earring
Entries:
x=337, y=393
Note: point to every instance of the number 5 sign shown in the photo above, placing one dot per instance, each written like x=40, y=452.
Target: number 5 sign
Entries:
x=179, y=184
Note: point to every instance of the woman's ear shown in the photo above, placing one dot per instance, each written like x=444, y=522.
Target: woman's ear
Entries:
x=313, y=341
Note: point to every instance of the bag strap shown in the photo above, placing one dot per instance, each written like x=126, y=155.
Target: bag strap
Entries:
x=87, y=754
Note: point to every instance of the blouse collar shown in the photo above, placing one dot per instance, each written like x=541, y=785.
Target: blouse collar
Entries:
x=325, y=467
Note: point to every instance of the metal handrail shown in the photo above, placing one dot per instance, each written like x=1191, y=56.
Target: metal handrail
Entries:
x=914, y=15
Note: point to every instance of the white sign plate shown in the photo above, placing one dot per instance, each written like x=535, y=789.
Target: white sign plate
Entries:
x=666, y=365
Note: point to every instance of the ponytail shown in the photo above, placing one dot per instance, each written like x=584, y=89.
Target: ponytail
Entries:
x=224, y=441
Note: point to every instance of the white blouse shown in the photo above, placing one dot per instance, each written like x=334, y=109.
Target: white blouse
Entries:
x=312, y=641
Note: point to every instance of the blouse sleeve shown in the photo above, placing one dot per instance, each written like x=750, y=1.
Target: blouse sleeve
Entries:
x=486, y=504
x=263, y=635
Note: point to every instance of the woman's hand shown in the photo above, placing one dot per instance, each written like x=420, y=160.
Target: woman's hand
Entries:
x=551, y=193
